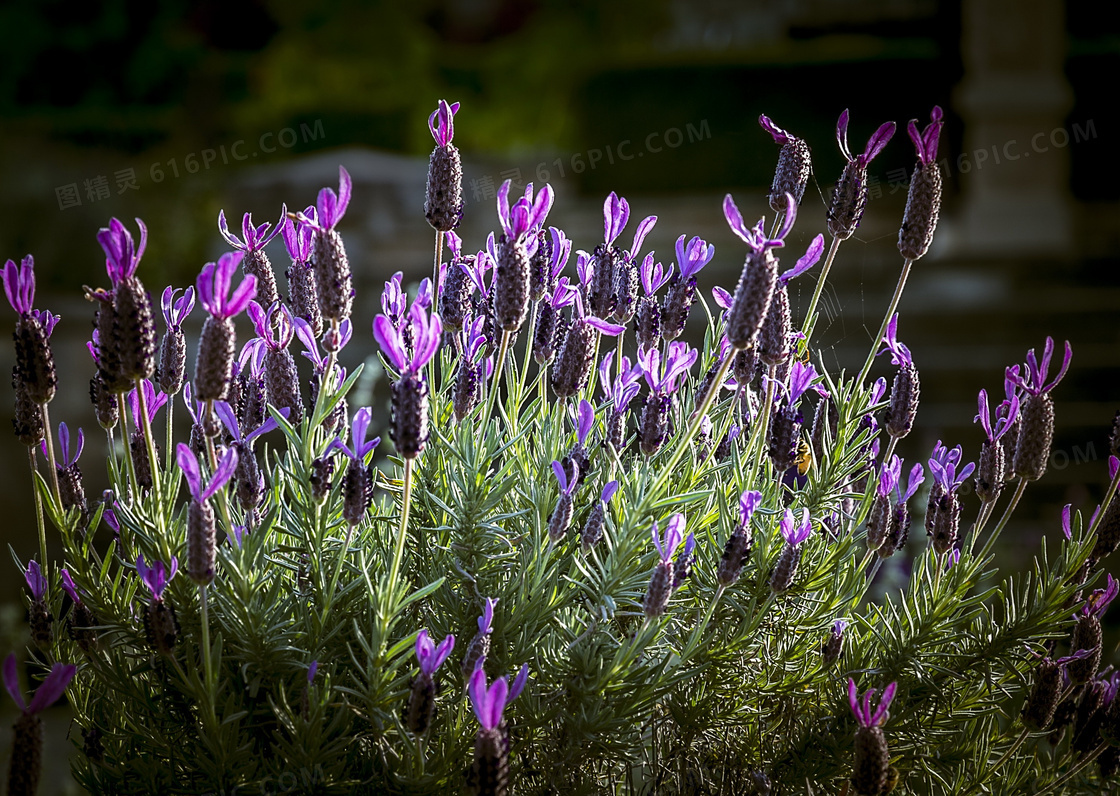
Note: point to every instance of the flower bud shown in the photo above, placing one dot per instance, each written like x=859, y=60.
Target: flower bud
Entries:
x=303, y=296
x=201, y=541
x=333, y=280
x=990, y=474
x=35, y=370
x=282, y=383
x=735, y=555
x=601, y=292
x=833, y=647
x=923, y=203
x=80, y=626
x=849, y=200
x=903, y=407
x=26, y=764
x=659, y=590
x=561, y=518
x=546, y=338
x=256, y=263
x=443, y=198
x=322, y=470
x=773, y=339
x=172, y=361
x=899, y=531
x=946, y=523
x=575, y=360
x=511, y=285
x=491, y=763
x=41, y=620
x=27, y=420
x=454, y=296
x=408, y=426
x=467, y=390
x=593, y=527
x=250, y=485
x=786, y=569
x=792, y=173
x=675, y=308
x=785, y=433
x=478, y=649
x=626, y=281
x=1087, y=635
x=212, y=367
x=1042, y=701
x=134, y=333
x=654, y=425
x=1036, y=433
x=872, y=761
x=357, y=492
x=540, y=269
x=140, y=461
x=161, y=626
x=648, y=323
x=1087, y=722
x=421, y=704
x=879, y=521
x=616, y=431
x=752, y=298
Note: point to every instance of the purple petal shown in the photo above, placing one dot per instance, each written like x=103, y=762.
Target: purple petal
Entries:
x=884, y=704
x=644, y=228
x=503, y=207
x=779, y=135
x=541, y=207
x=188, y=463
x=11, y=681
x=983, y=415
x=1068, y=355
x=312, y=670
x=916, y=137
x=722, y=297
x=878, y=142
x=518, y=683
x=69, y=587
x=424, y=651
x=808, y=260
x=1066, y=529
x=486, y=621
x=497, y=696
x=359, y=427
x=748, y=502
x=442, y=651
x=36, y=583
x=842, y=135
x=224, y=472
x=585, y=418
x=612, y=329
x=241, y=297
x=390, y=341
x=223, y=230
x=561, y=476
x=735, y=221
x=52, y=688
x=853, y=702
x=609, y=491
x=479, y=696
x=674, y=532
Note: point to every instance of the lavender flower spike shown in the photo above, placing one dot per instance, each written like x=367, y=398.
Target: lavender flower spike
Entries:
x=923, y=202
x=1036, y=417
x=793, y=169
x=849, y=200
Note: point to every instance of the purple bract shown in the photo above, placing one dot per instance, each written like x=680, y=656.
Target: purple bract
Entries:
x=442, y=122
x=875, y=144
x=214, y=287
x=863, y=713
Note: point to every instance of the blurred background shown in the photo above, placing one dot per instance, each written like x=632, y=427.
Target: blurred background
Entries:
x=171, y=111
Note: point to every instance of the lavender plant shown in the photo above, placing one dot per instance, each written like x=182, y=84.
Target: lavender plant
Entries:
x=722, y=658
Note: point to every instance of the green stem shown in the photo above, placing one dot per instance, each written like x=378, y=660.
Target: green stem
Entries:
x=886, y=320
x=435, y=299
x=50, y=458
x=759, y=432
x=890, y=449
x=130, y=465
x=534, y=310
x=808, y=325
x=406, y=500
x=39, y=515
x=495, y=382
x=169, y=453
x=337, y=573
x=1073, y=772
x=1003, y=520
x=698, y=631
x=207, y=665
x=211, y=454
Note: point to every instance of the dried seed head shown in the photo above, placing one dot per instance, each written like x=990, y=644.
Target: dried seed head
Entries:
x=27, y=756
x=217, y=348
x=675, y=308
x=511, y=285
x=40, y=618
x=541, y=283
x=443, y=200
x=72, y=491
x=547, y=336
x=455, y=295
x=1087, y=635
x=872, y=761
x=879, y=521
x=303, y=295
x=903, y=407
x=735, y=555
x=172, y=361
x=478, y=649
x=250, y=484
x=1042, y=701
x=654, y=425
x=80, y=625
x=140, y=461
x=409, y=422
x=357, y=492
x=752, y=298
x=648, y=323
x=989, y=470
x=786, y=569
x=421, y=704
x=792, y=173
x=785, y=433
x=282, y=383
x=626, y=281
x=134, y=333
x=659, y=590
x=27, y=420
x=1036, y=433
x=322, y=470
x=773, y=339
x=593, y=527
x=333, y=281
x=467, y=391
x=561, y=518
x=491, y=763
x=1108, y=531
x=616, y=431
x=946, y=524
x=923, y=204
x=849, y=200
x=601, y=293
x=201, y=542
x=161, y=626
x=574, y=362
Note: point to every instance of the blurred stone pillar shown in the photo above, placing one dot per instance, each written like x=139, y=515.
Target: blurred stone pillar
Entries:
x=1013, y=97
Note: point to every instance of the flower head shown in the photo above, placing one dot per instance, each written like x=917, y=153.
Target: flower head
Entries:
x=755, y=237
x=794, y=533
x=188, y=463
x=214, y=287
x=121, y=254
x=926, y=140
x=49, y=691
x=900, y=354
x=426, y=331
x=176, y=310
x=527, y=214
x=156, y=577
x=863, y=713
x=674, y=532
x=1006, y=414
x=253, y=238
x=19, y=284
x=691, y=258
x=875, y=144
x=662, y=377
x=622, y=388
x=362, y=448
x=748, y=504
x=429, y=655
x=1035, y=381
x=945, y=467
x=442, y=122
x=36, y=582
